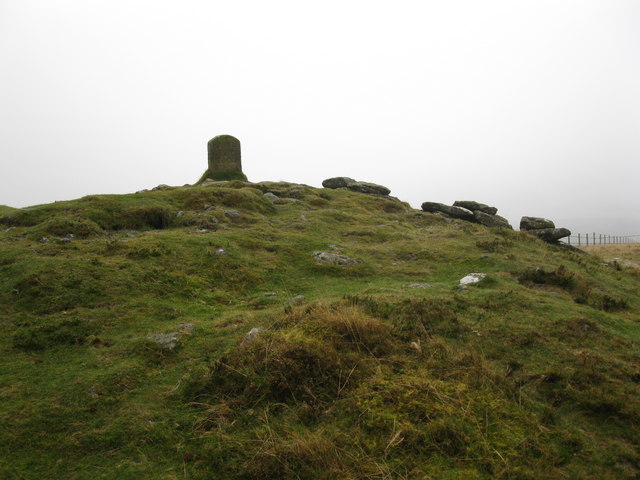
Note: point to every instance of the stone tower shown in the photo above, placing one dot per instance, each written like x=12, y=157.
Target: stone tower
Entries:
x=224, y=159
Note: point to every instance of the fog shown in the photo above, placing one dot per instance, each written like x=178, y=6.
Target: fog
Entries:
x=533, y=107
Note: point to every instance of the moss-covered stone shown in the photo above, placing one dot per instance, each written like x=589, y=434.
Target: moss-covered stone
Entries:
x=224, y=154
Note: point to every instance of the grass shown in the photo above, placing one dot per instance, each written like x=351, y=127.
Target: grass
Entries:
x=533, y=373
x=629, y=251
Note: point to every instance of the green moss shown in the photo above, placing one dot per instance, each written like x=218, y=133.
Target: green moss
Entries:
x=222, y=176
x=532, y=374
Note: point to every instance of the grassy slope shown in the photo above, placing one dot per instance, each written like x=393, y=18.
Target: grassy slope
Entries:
x=531, y=374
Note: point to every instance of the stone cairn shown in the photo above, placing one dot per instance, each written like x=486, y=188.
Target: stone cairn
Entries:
x=485, y=215
x=224, y=159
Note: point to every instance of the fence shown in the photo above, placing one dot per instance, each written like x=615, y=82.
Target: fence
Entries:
x=587, y=239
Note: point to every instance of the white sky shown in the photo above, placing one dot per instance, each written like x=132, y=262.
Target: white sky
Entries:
x=531, y=106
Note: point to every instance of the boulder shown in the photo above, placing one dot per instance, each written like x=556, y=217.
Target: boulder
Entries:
x=475, y=206
x=327, y=258
x=453, y=212
x=366, y=187
x=550, y=235
x=356, y=186
x=337, y=182
x=493, y=221
x=535, y=223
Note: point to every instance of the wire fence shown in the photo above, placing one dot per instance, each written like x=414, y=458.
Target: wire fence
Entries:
x=587, y=239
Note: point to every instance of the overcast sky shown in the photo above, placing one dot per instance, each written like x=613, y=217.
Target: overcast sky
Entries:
x=531, y=106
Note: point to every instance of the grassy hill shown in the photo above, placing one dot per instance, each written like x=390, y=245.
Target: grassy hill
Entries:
x=385, y=369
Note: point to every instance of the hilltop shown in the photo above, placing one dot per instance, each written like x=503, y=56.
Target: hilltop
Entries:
x=126, y=353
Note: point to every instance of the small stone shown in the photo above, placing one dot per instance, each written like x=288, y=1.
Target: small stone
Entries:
x=202, y=230
x=186, y=328
x=271, y=197
x=472, y=278
x=209, y=207
x=168, y=341
x=219, y=252
x=251, y=336
x=44, y=240
x=180, y=213
x=297, y=299
x=231, y=213
x=269, y=294
x=327, y=258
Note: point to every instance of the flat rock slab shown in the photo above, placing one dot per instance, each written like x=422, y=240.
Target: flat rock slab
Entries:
x=453, y=212
x=328, y=258
x=356, y=186
x=472, y=278
x=493, y=221
x=475, y=206
x=535, y=223
x=550, y=234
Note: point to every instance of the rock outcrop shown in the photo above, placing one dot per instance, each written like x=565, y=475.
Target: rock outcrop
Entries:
x=470, y=211
x=535, y=223
x=475, y=206
x=356, y=186
x=543, y=228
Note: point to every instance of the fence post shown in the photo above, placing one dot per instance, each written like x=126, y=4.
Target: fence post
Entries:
x=594, y=238
x=578, y=239
x=600, y=239
x=586, y=236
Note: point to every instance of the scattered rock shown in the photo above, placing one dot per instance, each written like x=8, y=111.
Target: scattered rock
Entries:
x=337, y=182
x=419, y=285
x=202, y=230
x=269, y=294
x=44, y=240
x=252, y=335
x=475, y=206
x=231, y=213
x=219, y=252
x=551, y=235
x=180, y=213
x=535, y=223
x=472, y=278
x=334, y=247
x=622, y=262
x=168, y=341
x=186, y=328
x=327, y=258
x=297, y=299
x=493, y=221
x=162, y=186
x=209, y=207
x=271, y=197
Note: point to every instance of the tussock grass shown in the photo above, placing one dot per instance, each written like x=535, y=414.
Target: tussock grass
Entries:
x=534, y=373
